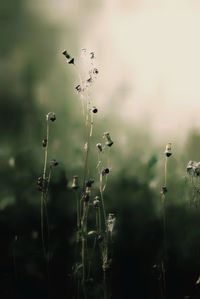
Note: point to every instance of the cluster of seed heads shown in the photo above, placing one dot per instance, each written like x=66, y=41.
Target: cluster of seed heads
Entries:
x=193, y=168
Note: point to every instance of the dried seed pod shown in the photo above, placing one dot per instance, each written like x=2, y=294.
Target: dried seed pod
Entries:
x=99, y=146
x=53, y=163
x=168, y=150
x=163, y=190
x=51, y=116
x=44, y=142
x=89, y=183
x=94, y=109
x=78, y=88
x=95, y=71
x=75, y=184
x=105, y=171
x=96, y=202
x=109, y=141
x=69, y=58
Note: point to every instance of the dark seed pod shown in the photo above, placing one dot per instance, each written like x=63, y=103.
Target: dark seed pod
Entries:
x=105, y=171
x=89, y=183
x=95, y=71
x=78, y=88
x=99, y=146
x=51, y=116
x=163, y=190
x=94, y=109
x=168, y=150
x=44, y=142
x=66, y=54
x=109, y=141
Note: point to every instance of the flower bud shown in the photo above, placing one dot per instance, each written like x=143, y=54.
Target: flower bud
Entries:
x=75, y=184
x=168, y=150
x=51, y=116
x=109, y=141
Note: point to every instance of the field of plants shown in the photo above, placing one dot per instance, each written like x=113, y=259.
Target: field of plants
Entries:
x=91, y=206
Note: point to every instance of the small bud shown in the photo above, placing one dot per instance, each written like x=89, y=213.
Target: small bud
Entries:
x=44, y=142
x=51, y=116
x=168, y=150
x=96, y=202
x=94, y=109
x=99, y=146
x=105, y=171
x=109, y=141
x=89, y=183
x=53, y=163
x=78, y=88
x=111, y=222
x=163, y=190
x=75, y=184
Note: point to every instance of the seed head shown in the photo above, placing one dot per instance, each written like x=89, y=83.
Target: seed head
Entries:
x=53, y=163
x=69, y=58
x=94, y=109
x=89, y=183
x=105, y=171
x=99, y=146
x=44, y=142
x=95, y=71
x=78, y=88
x=163, y=190
x=51, y=116
x=109, y=141
x=168, y=150
x=75, y=184
x=96, y=202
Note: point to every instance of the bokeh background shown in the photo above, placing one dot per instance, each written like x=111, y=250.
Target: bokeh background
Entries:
x=147, y=93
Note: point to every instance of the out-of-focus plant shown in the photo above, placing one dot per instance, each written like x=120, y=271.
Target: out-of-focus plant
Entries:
x=94, y=226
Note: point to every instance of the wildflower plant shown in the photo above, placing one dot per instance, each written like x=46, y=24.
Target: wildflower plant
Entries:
x=43, y=185
x=93, y=240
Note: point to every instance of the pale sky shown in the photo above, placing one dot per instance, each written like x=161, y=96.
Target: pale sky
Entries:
x=150, y=51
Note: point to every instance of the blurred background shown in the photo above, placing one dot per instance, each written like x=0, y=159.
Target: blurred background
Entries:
x=147, y=93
